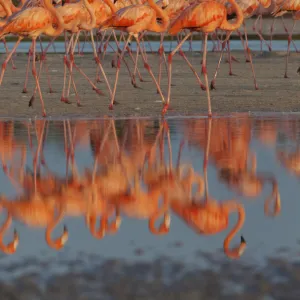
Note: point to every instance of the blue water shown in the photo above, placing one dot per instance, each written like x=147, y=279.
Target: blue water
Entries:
x=266, y=236
x=277, y=45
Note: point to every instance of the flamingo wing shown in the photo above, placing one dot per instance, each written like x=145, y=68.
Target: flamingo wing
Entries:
x=27, y=21
x=199, y=16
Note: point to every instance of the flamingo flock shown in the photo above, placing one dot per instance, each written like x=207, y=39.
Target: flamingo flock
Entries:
x=103, y=20
x=133, y=175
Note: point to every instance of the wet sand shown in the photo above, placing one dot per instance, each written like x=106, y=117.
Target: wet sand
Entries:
x=233, y=93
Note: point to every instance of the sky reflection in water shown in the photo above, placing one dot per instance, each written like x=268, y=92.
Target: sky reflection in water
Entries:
x=249, y=159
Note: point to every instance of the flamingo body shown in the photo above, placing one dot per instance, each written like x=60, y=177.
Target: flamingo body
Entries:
x=205, y=16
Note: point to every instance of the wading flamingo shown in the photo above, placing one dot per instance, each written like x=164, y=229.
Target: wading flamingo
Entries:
x=135, y=19
x=206, y=17
x=32, y=22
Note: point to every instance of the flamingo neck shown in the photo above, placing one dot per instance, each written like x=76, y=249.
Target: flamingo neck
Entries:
x=60, y=22
x=160, y=13
x=239, y=18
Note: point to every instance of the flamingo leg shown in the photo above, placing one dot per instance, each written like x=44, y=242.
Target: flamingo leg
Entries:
x=250, y=57
x=181, y=53
x=286, y=30
x=97, y=60
x=147, y=66
x=9, y=57
x=271, y=32
x=6, y=50
x=27, y=70
x=170, y=58
x=118, y=70
x=213, y=82
x=288, y=49
x=36, y=78
x=204, y=71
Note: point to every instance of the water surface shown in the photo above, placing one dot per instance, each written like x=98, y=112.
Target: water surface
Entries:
x=248, y=158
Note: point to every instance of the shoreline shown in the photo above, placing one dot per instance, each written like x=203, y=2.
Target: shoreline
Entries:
x=232, y=94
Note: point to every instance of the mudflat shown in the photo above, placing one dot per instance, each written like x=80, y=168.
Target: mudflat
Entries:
x=232, y=94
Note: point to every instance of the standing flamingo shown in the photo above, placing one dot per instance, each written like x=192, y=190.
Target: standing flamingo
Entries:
x=32, y=22
x=205, y=17
x=135, y=19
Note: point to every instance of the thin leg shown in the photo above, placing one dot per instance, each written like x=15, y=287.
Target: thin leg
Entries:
x=250, y=57
x=9, y=57
x=117, y=72
x=170, y=58
x=6, y=50
x=288, y=49
x=213, y=82
x=36, y=78
x=204, y=71
x=100, y=65
x=147, y=66
x=27, y=70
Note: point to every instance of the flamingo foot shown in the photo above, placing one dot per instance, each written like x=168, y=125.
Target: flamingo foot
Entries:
x=25, y=91
x=98, y=91
x=65, y=100
x=285, y=75
x=79, y=104
x=111, y=106
x=247, y=60
x=44, y=114
x=234, y=59
x=203, y=87
x=256, y=87
x=14, y=68
x=51, y=91
x=116, y=102
x=113, y=63
x=232, y=74
x=98, y=79
x=213, y=85
x=30, y=104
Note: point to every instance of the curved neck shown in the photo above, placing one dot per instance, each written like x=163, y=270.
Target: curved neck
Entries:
x=111, y=6
x=160, y=14
x=92, y=24
x=12, y=246
x=58, y=243
x=232, y=206
x=60, y=22
x=238, y=21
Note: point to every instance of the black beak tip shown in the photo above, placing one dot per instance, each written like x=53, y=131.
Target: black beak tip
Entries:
x=243, y=240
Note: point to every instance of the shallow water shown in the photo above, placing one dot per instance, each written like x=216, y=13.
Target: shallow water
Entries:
x=277, y=45
x=249, y=158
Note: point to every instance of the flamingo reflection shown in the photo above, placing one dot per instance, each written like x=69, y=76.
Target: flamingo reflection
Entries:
x=210, y=217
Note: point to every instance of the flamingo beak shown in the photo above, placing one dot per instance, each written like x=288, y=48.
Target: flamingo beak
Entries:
x=242, y=246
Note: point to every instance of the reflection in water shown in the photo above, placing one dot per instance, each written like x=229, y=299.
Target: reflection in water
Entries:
x=132, y=175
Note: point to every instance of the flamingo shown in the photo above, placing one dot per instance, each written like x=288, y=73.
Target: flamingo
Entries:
x=32, y=22
x=205, y=17
x=135, y=19
x=248, y=8
x=282, y=8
